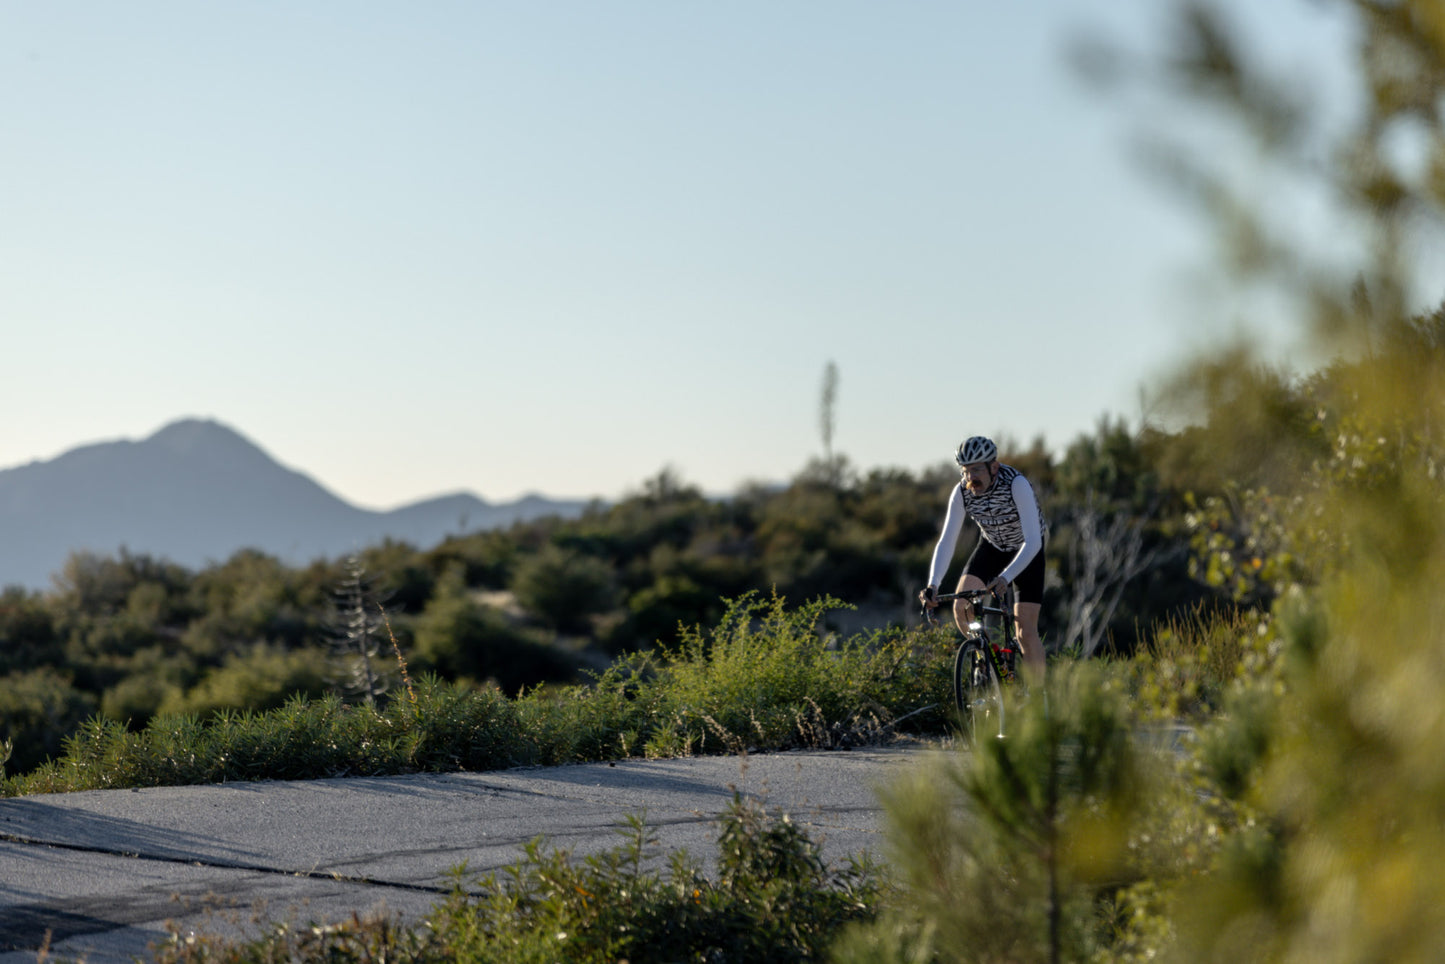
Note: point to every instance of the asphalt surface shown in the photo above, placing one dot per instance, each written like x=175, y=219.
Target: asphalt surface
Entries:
x=106, y=873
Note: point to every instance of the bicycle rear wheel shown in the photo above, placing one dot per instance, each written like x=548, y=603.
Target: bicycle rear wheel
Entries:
x=977, y=694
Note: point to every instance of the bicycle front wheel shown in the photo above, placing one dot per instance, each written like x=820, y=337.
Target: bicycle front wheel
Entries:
x=977, y=694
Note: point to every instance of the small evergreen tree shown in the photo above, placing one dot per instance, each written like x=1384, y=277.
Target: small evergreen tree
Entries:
x=1007, y=852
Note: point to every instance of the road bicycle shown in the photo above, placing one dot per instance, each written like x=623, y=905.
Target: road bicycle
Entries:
x=985, y=661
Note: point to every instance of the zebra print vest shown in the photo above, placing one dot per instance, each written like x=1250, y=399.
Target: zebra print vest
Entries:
x=997, y=514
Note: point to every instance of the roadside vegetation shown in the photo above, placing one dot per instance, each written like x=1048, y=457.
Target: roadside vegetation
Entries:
x=763, y=679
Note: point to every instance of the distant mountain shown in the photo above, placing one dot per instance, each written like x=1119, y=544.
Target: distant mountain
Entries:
x=195, y=492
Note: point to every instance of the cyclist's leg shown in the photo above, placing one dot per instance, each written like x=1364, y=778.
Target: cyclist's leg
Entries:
x=1026, y=620
x=1028, y=599
x=962, y=608
x=984, y=563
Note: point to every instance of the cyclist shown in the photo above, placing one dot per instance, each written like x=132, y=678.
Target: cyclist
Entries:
x=1011, y=549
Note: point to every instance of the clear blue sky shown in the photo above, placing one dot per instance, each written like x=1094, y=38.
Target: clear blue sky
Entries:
x=414, y=248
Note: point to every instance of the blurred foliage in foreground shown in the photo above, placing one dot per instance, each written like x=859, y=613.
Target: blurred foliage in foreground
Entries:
x=1336, y=756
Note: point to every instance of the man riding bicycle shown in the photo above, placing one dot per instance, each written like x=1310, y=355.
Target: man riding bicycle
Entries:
x=1011, y=550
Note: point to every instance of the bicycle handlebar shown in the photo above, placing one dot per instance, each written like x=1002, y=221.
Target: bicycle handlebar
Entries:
x=974, y=596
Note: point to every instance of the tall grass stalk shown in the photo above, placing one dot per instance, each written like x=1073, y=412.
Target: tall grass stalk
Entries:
x=400, y=659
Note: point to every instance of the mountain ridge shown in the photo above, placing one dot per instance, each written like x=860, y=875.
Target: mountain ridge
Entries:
x=195, y=492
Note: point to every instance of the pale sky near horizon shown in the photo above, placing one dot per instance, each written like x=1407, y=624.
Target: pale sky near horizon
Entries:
x=412, y=249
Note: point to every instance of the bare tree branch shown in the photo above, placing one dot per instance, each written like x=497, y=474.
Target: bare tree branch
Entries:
x=1106, y=555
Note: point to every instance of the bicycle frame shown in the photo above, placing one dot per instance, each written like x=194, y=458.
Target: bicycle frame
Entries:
x=981, y=665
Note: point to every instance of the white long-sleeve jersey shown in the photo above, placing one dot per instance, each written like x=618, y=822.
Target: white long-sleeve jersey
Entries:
x=1007, y=515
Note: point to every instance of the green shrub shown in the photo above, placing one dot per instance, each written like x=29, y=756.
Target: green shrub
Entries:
x=138, y=697
x=564, y=588
x=762, y=679
x=459, y=637
x=766, y=678
x=36, y=709
x=459, y=728
x=605, y=720
x=261, y=678
x=1190, y=663
x=28, y=636
x=657, y=612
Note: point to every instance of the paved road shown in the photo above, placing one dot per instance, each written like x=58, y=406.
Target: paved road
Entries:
x=104, y=871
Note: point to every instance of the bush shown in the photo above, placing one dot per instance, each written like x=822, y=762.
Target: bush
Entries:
x=463, y=639
x=28, y=638
x=139, y=697
x=37, y=709
x=564, y=588
x=762, y=679
x=262, y=678
x=1190, y=664
x=766, y=678
x=458, y=728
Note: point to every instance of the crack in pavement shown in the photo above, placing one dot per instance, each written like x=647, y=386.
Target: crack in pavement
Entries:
x=26, y=925
x=223, y=864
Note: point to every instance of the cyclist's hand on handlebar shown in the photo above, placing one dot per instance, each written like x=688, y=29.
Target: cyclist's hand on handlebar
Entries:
x=928, y=597
x=997, y=587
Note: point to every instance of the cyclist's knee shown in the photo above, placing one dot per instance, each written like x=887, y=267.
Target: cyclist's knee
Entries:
x=962, y=613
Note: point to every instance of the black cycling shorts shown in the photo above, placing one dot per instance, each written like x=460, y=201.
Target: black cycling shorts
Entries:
x=987, y=561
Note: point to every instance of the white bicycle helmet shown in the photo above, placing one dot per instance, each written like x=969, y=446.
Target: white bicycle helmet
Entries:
x=976, y=449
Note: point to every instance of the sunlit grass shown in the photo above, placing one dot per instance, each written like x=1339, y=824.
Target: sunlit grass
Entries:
x=763, y=679
x=1187, y=665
